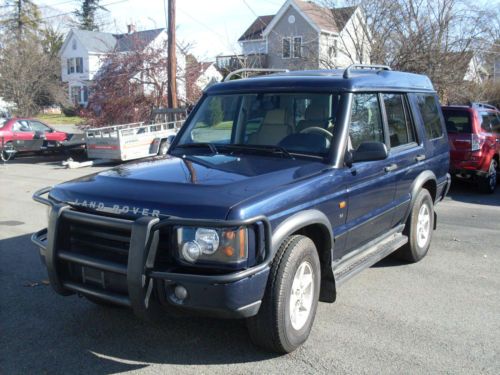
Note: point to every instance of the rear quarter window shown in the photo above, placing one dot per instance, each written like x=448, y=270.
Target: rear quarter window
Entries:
x=457, y=121
x=429, y=111
x=489, y=122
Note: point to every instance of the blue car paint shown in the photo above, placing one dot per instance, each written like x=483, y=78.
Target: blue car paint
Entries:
x=238, y=187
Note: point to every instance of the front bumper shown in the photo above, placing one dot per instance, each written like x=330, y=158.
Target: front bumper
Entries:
x=139, y=282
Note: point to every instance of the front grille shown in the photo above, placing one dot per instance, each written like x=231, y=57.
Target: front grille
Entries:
x=93, y=252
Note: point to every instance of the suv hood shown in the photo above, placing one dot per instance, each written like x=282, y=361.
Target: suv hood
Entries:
x=204, y=187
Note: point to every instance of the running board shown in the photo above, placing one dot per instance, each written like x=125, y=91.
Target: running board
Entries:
x=368, y=255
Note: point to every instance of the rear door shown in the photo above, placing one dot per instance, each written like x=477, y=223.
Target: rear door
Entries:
x=406, y=152
x=371, y=184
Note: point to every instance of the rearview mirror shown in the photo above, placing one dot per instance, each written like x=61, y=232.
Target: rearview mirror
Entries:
x=370, y=151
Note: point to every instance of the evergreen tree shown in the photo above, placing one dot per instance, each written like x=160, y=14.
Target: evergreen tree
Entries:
x=87, y=15
x=21, y=17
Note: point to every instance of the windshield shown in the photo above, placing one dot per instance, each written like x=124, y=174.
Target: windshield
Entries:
x=293, y=123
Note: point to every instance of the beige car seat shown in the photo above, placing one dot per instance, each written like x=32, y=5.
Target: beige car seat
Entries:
x=272, y=130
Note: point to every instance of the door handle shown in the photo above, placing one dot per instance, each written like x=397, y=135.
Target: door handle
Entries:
x=420, y=157
x=391, y=168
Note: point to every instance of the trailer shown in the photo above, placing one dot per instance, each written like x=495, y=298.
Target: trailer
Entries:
x=130, y=141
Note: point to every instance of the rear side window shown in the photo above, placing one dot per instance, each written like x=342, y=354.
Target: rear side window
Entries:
x=398, y=121
x=489, y=121
x=366, y=122
x=429, y=111
x=457, y=121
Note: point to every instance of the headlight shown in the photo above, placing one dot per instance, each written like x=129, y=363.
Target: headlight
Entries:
x=227, y=245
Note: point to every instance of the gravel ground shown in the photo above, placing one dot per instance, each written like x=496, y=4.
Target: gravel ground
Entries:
x=441, y=315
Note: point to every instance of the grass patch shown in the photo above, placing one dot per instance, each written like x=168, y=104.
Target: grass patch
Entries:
x=59, y=119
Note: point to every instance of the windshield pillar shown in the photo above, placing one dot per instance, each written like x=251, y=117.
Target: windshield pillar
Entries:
x=339, y=142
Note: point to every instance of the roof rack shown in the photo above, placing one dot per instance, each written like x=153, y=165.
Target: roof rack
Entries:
x=347, y=71
x=483, y=105
x=258, y=70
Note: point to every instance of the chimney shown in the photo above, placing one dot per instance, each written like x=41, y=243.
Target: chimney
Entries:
x=130, y=28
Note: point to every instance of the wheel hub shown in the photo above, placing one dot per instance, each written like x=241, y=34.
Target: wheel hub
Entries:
x=301, y=295
x=423, y=225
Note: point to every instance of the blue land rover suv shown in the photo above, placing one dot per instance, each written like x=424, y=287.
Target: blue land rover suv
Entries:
x=276, y=191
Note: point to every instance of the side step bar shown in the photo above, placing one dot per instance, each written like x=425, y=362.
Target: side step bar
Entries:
x=368, y=255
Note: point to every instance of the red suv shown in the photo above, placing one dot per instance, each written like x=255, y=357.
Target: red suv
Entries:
x=23, y=134
x=474, y=136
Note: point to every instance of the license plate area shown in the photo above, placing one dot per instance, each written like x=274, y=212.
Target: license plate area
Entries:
x=93, y=277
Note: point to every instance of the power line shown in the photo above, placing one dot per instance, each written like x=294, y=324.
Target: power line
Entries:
x=68, y=13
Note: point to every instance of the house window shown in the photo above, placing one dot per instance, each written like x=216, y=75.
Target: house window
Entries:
x=75, y=94
x=297, y=47
x=286, y=48
x=74, y=44
x=79, y=64
x=75, y=65
x=333, y=51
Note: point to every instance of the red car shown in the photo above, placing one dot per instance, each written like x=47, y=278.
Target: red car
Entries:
x=24, y=134
x=474, y=136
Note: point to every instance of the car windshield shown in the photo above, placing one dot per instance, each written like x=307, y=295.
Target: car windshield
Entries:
x=283, y=123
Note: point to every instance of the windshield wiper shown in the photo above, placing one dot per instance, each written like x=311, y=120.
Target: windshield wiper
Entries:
x=268, y=149
x=208, y=145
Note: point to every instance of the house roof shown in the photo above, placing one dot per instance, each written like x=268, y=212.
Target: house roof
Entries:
x=326, y=19
x=137, y=40
x=95, y=41
x=256, y=28
x=98, y=42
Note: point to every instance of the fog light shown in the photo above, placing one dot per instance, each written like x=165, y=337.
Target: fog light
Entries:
x=180, y=292
x=191, y=251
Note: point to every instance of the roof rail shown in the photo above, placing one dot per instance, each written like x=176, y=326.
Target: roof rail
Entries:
x=483, y=105
x=258, y=70
x=347, y=71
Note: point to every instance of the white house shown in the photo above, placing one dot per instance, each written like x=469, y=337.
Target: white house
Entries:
x=83, y=54
x=200, y=75
x=304, y=35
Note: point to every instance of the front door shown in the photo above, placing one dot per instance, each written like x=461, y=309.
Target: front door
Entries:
x=22, y=136
x=371, y=184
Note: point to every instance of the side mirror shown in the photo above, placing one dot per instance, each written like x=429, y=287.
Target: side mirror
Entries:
x=370, y=151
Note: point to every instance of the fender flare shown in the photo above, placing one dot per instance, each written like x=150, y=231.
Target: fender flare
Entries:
x=416, y=186
x=303, y=219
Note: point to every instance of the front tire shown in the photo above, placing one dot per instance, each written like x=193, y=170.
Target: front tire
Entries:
x=289, y=305
x=8, y=152
x=418, y=228
x=488, y=183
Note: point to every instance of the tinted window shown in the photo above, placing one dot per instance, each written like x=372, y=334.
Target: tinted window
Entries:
x=489, y=121
x=457, y=121
x=398, y=120
x=366, y=122
x=430, y=115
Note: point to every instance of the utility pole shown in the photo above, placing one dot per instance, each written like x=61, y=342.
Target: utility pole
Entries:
x=172, y=60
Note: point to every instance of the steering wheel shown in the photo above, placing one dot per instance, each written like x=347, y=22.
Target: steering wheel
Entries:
x=318, y=130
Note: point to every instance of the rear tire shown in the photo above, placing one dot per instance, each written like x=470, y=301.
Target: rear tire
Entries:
x=488, y=184
x=418, y=228
x=289, y=305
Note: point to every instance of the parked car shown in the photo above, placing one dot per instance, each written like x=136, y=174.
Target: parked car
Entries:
x=276, y=191
x=474, y=136
x=28, y=135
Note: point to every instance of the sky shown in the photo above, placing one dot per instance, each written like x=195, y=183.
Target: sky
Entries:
x=212, y=27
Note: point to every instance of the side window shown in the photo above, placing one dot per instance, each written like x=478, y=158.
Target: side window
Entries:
x=429, y=111
x=398, y=120
x=38, y=126
x=21, y=126
x=287, y=48
x=489, y=121
x=366, y=122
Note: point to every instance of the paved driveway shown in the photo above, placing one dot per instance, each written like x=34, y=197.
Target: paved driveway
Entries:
x=441, y=315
